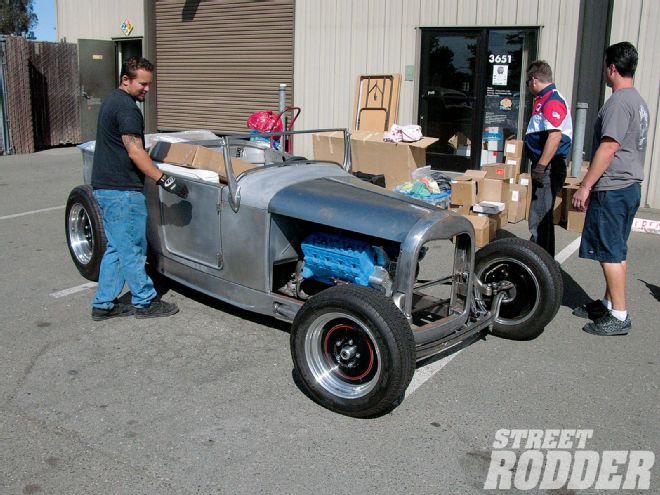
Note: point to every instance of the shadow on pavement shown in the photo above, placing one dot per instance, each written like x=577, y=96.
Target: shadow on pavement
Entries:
x=654, y=289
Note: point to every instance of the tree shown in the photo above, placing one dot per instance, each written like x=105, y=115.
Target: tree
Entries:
x=17, y=17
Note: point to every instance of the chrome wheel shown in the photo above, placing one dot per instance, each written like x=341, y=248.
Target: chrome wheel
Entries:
x=342, y=355
x=81, y=235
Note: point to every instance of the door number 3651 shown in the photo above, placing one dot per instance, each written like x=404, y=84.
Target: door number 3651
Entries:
x=499, y=59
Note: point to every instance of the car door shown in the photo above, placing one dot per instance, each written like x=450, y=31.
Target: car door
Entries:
x=190, y=227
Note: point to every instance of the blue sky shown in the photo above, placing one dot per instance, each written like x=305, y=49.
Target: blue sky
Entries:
x=45, y=29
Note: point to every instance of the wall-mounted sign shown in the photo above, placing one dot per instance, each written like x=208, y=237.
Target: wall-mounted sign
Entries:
x=126, y=27
x=97, y=57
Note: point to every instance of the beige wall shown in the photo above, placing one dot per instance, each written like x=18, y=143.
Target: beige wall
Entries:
x=98, y=19
x=637, y=21
x=337, y=40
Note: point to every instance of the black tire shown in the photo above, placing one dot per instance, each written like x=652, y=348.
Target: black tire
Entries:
x=353, y=350
x=538, y=286
x=84, y=232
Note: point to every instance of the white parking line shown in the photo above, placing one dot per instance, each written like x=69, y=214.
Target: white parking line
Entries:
x=568, y=250
x=16, y=215
x=73, y=290
x=426, y=372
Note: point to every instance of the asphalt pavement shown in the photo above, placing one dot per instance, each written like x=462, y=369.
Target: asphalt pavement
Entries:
x=205, y=402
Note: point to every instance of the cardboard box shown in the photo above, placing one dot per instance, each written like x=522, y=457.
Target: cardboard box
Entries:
x=583, y=170
x=372, y=155
x=516, y=162
x=463, y=195
x=517, y=203
x=572, y=181
x=501, y=219
x=464, y=150
x=459, y=140
x=575, y=221
x=493, y=190
x=567, y=194
x=513, y=148
x=460, y=209
x=557, y=210
x=484, y=228
x=196, y=156
x=526, y=180
x=493, y=138
x=499, y=171
x=463, y=192
x=491, y=157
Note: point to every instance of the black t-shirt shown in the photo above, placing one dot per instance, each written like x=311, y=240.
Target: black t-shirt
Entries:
x=113, y=169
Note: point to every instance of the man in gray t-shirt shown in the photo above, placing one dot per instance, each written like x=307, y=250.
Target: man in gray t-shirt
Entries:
x=610, y=191
x=625, y=119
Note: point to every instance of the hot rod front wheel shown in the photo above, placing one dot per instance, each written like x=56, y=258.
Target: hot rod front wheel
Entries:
x=534, y=299
x=353, y=350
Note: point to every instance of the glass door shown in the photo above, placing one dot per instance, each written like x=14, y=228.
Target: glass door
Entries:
x=448, y=110
x=472, y=93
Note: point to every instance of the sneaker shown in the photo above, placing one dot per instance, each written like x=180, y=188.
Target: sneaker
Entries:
x=609, y=325
x=157, y=308
x=118, y=309
x=593, y=310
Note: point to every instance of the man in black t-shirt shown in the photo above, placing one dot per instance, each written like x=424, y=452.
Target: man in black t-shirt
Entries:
x=118, y=174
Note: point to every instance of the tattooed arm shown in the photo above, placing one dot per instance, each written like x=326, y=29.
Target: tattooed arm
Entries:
x=140, y=157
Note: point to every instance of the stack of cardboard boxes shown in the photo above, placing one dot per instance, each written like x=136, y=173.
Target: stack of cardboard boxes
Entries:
x=494, y=195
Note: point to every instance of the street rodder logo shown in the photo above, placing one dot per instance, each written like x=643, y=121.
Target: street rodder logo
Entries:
x=553, y=459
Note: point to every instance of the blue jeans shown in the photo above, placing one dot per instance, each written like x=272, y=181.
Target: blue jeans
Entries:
x=125, y=225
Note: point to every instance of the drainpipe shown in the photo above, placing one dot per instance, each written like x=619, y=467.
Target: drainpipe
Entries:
x=578, y=138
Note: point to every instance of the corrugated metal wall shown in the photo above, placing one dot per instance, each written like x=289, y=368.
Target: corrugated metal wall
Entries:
x=337, y=40
x=98, y=19
x=218, y=62
x=637, y=21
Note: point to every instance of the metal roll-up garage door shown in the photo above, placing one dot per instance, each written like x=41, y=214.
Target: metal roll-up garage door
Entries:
x=219, y=61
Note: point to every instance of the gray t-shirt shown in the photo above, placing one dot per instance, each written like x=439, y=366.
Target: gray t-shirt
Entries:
x=625, y=118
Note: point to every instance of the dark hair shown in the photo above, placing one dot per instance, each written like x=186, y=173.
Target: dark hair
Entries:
x=131, y=65
x=540, y=69
x=624, y=57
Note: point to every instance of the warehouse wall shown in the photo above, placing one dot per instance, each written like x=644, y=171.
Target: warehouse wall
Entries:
x=98, y=19
x=337, y=40
x=637, y=21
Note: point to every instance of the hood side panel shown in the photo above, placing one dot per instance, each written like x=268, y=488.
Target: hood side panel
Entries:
x=350, y=204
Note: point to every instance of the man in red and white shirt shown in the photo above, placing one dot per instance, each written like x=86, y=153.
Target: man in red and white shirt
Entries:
x=548, y=142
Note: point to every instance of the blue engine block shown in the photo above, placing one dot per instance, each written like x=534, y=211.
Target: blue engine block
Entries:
x=330, y=257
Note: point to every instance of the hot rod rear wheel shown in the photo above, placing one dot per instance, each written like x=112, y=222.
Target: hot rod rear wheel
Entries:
x=538, y=287
x=84, y=232
x=353, y=350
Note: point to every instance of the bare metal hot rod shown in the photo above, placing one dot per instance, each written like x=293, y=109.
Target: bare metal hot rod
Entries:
x=372, y=281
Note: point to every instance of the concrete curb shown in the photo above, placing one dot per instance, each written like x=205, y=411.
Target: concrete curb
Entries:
x=646, y=226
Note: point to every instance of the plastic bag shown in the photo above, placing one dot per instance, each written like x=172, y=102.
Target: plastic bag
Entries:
x=406, y=134
x=265, y=121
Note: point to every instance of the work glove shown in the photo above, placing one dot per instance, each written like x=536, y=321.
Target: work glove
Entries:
x=538, y=172
x=171, y=185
